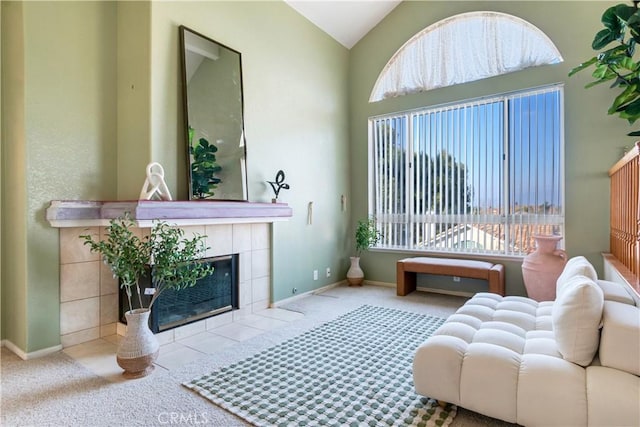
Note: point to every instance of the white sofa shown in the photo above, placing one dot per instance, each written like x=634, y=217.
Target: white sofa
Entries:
x=574, y=361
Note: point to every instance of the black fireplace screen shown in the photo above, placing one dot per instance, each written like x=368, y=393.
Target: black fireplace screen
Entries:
x=211, y=295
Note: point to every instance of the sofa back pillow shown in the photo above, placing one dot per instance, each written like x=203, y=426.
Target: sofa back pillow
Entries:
x=620, y=340
x=576, y=316
x=575, y=266
x=614, y=291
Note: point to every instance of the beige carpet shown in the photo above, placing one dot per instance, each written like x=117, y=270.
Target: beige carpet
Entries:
x=57, y=391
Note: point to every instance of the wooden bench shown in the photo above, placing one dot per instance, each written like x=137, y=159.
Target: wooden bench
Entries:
x=408, y=268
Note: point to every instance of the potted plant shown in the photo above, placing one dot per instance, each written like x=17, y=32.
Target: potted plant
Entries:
x=130, y=257
x=617, y=64
x=367, y=235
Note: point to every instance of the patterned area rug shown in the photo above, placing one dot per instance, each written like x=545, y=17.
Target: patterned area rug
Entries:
x=353, y=371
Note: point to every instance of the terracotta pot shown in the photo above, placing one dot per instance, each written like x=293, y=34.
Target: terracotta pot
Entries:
x=139, y=348
x=355, y=275
x=542, y=267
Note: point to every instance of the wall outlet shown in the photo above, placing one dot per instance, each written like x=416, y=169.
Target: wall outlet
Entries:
x=315, y=274
x=328, y=272
x=456, y=279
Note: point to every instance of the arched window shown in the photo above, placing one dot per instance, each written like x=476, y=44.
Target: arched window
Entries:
x=463, y=48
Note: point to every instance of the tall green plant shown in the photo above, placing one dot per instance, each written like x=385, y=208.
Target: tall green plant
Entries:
x=129, y=257
x=616, y=64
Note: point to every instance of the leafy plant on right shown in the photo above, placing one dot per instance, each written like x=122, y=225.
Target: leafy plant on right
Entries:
x=616, y=64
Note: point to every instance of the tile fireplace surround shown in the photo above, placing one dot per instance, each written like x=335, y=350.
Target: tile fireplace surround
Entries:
x=89, y=293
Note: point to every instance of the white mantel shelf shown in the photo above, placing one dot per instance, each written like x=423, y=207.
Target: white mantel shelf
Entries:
x=85, y=213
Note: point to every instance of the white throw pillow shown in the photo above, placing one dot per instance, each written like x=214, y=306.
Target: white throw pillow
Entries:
x=576, y=317
x=578, y=265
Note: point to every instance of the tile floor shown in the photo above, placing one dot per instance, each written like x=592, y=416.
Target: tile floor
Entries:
x=99, y=355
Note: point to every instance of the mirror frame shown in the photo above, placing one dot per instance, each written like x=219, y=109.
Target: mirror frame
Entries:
x=185, y=107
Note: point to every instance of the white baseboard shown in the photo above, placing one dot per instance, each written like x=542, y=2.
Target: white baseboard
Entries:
x=297, y=297
x=31, y=355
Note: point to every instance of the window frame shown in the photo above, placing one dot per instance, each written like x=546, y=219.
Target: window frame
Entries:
x=506, y=169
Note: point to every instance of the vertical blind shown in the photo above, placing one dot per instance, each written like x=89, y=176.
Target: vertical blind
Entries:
x=481, y=176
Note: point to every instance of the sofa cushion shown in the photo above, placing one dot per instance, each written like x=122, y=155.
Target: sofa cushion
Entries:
x=620, y=340
x=615, y=292
x=576, y=317
x=474, y=359
x=551, y=392
x=575, y=266
x=613, y=397
x=486, y=359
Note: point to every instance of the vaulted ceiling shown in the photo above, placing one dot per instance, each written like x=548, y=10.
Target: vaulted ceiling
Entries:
x=347, y=21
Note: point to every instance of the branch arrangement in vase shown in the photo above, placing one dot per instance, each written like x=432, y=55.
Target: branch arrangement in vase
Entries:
x=165, y=248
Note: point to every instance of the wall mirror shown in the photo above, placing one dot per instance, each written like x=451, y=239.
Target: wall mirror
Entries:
x=214, y=118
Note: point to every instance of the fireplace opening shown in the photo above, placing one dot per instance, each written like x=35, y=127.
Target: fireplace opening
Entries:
x=210, y=296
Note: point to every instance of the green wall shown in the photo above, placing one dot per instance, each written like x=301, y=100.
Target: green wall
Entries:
x=92, y=93
x=58, y=134
x=14, y=322
x=593, y=139
x=133, y=59
x=296, y=119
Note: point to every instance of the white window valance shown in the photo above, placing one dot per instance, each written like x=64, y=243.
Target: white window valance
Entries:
x=464, y=48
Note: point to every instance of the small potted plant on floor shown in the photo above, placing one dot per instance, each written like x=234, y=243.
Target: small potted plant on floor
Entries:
x=130, y=257
x=367, y=235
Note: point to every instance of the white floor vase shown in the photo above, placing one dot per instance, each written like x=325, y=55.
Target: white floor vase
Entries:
x=139, y=347
x=355, y=275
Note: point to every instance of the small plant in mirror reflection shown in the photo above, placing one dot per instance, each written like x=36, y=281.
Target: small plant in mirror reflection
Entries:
x=204, y=169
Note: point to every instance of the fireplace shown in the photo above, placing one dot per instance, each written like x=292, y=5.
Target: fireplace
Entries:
x=89, y=300
x=211, y=295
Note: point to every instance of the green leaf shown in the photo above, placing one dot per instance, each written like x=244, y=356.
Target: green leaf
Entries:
x=634, y=20
x=609, y=75
x=631, y=49
x=615, y=18
x=609, y=18
x=583, y=66
x=631, y=112
x=634, y=133
x=627, y=63
x=601, y=71
x=603, y=38
x=623, y=12
x=633, y=24
x=628, y=95
x=597, y=82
